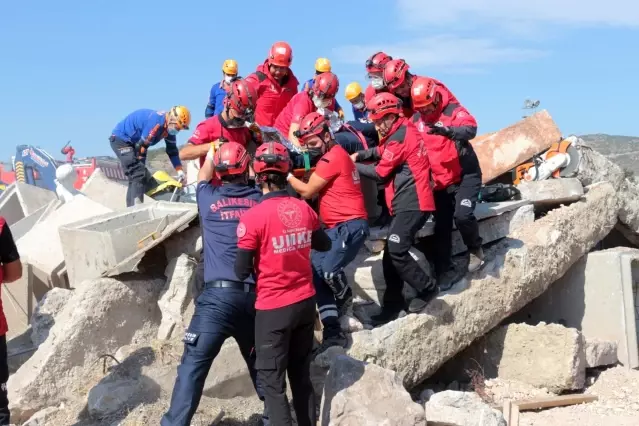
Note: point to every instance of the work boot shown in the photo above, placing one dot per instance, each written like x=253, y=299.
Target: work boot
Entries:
x=422, y=299
x=387, y=315
x=345, y=304
x=476, y=259
x=449, y=278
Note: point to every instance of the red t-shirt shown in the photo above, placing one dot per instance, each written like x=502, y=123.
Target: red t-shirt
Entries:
x=213, y=129
x=342, y=198
x=279, y=230
x=298, y=107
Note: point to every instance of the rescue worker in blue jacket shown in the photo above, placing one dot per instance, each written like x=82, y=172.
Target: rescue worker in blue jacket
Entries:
x=226, y=306
x=355, y=95
x=132, y=137
x=221, y=88
x=322, y=65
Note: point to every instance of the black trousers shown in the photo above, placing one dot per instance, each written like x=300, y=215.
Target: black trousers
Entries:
x=5, y=415
x=398, y=264
x=456, y=203
x=134, y=169
x=284, y=344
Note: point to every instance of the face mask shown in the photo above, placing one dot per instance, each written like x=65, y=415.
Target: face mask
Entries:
x=377, y=83
x=321, y=103
x=236, y=122
x=359, y=105
x=315, y=152
x=228, y=78
x=172, y=131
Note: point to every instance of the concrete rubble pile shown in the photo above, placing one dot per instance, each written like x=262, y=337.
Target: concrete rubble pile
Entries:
x=105, y=326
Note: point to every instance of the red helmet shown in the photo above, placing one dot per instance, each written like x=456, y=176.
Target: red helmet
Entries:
x=395, y=73
x=280, y=54
x=377, y=61
x=242, y=96
x=422, y=92
x=230, y=159
x=272, y=157
x=326, y=85
x=312, y=124
x=382, y=104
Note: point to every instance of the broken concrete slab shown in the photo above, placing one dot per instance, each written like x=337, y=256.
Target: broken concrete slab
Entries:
x=176, y=296
x=600, y=353
x=24, y=225
x=501, y=151
x=356, y=393
x=547, y=356
x=517, y=271
x=20, y=200
x=108, y=192
x=454, y=408
x=101, y=316
x=551, y=192
x=18, y=302
x=188, y=241
x=119, y=239
x=595, y=296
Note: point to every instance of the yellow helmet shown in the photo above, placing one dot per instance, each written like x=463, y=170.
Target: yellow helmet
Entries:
x=323, y=65
x=182, y=116
x=229, y=67
x=353, y=90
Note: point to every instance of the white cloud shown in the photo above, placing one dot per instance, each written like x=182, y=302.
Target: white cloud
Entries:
x=511, y=12
x=447, y=52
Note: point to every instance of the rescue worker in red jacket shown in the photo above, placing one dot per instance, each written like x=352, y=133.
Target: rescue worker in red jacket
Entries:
x=403, y=166
x=275, y=239
x=375, y=73
x=343, y=212
x=398, y=81
x=10, y=271
x=447, y=127
x=275, y=82
x=228, y=126
x=320, y=98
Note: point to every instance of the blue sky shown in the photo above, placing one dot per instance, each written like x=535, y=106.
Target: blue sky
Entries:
x=72, y=69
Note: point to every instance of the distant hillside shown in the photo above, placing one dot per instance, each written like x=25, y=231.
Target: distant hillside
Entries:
x=623, y=150
x=158, y=160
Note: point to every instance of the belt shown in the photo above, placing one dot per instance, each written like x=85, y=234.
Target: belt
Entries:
x=248, y=288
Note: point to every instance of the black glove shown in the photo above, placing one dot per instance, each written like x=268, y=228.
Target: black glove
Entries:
x=140, y=149
x=441, y=131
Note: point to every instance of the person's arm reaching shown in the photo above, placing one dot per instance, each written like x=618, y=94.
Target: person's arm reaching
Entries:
x=173, y=153
x=392, y=157
x=244, y=263
x=9, y=256
x=463, y=126
x=205, y=174
x=325, y=172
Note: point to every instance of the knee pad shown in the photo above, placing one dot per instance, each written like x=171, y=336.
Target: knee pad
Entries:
x=338, y=283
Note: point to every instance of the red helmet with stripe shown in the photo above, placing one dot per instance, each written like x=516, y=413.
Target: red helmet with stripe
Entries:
x=272, y=157
x=382, y=104
x=230, y=159
x=376, y=62
x=326, y=85
x=395, y=73
x=242, y=97
x=313, y=124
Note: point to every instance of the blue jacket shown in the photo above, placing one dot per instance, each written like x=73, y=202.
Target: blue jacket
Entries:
x=149, y=127
x=220, y=210
x=216, y=98
x=360, y=115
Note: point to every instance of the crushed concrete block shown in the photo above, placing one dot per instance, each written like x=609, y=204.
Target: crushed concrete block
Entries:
x=552, y=191
x=188, y=242
x=20, y=200
x=453, y=408
x=45, y=312
x=108, y=192
x=595, y=296
x=356, y=393
x=42, y=248
x=176, y=296
x=24, y=225
x=111, y=395
x=501, y=151
x=101, y=316
x=547, y=356
x=41, y=418
x=517, y=271
x=119, y=238
x=600, y=353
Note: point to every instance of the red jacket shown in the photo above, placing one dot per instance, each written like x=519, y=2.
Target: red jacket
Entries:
x=298, y=107
x=272, y=98
x=3, y=320
x=403, y=167
x=214, y=128
x=370, y=92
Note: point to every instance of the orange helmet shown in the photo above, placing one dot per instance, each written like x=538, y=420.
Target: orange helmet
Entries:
x=423, y=92
x=230, y=159
x=382, y=104
x=395, y=73
x=313, y=124
x=280, y=54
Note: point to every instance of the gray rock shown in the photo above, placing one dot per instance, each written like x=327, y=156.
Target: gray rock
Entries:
x=452, y=408
x=600, y=353
x=176, y=296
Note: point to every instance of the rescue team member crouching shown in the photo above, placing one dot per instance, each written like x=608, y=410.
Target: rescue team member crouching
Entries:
x=226, y=306
x=321, y=98
x=343, y=212
x=132, y=137
x=275, y=239
x=275, y=82
x=449, y=125
x=219, y=90
x=10, y=271
x=404, y=169
x=322, y=65
x=227, y=126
